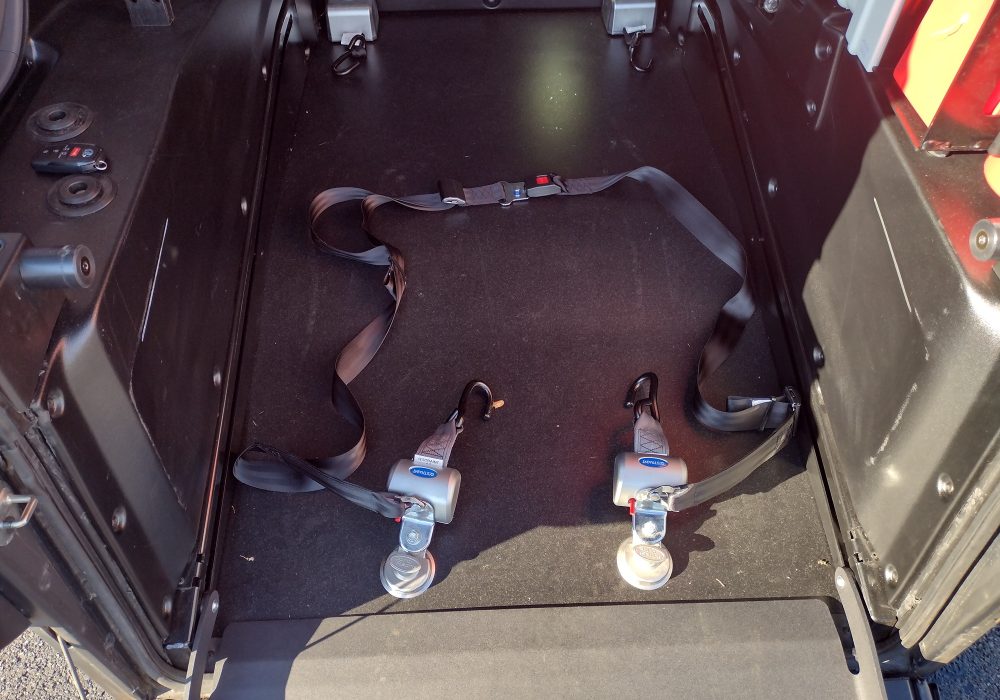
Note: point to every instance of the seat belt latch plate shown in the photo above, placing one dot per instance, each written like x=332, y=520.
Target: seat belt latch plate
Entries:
x=513, y=192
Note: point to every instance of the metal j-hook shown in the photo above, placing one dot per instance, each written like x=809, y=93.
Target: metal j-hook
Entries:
x=649, y=401
x=475, y=385
x=632, y=40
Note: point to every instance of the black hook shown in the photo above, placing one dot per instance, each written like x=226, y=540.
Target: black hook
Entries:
x=649, y=401
x=632, y=41
x=459, y=414
x=356, y=50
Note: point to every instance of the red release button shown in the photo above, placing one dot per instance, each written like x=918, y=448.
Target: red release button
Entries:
x=74, y=152
x=543, y=180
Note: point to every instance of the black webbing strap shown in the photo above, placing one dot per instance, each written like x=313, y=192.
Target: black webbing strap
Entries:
x=271, y=469
x=717, y=484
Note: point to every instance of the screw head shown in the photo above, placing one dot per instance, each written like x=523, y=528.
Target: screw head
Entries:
x=823, y=50
x=770, y=6
x=412, y=537
x=167, y=606
x=772, y=187
x=945, y=486
x=118, y=519
x=217, y=378
x=819, y=358
x=243, y=205
x=737, y=57
x=55, y=403
x=215, y=606
x=811, y=108
x=891, y=575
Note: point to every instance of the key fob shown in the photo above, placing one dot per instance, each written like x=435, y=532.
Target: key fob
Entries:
x=69, y=158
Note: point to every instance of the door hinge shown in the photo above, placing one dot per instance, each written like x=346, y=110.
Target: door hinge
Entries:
x=183, y=609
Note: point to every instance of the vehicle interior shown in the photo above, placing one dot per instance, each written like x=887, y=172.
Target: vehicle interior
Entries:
x=181, y=297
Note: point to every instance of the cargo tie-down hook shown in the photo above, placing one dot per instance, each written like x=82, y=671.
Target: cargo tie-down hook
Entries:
x=428, y=491
x=355, y=53
x=649, y=402
x=639, y=478
x=632, y=39
x=459, y=413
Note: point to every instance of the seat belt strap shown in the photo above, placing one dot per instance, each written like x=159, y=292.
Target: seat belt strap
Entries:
x=273, y=471
x=684, y=497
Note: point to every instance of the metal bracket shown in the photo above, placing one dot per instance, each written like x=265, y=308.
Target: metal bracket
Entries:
x=9, y=520
x=649, y=518
x=868, y=680
x=417, y=527
x=642, y=559
x=409, y=569
x=348, y=18
x=201, y=646
x=150, y=13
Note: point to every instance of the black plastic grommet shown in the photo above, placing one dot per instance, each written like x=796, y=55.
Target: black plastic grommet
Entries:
x=79, y=195
x=60, y=121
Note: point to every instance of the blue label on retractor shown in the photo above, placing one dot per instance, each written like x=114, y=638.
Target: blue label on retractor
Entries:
x=649, y=462
x=423, y=472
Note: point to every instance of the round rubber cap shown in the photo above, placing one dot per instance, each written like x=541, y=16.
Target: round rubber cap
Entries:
x=645, y=566
x=405, y=575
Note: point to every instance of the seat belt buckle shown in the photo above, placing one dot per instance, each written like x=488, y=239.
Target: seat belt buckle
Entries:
x=452, y=192
x=543, y=185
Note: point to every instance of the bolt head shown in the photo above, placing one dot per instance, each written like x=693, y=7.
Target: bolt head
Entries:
x=891, y=575
x=772, y=187
x=819, y=358
x=770, y=6
x=811, y=108
x=737, y=57
x=243, y=205
x=945, y=486
x=55, y=403
x=118, y=518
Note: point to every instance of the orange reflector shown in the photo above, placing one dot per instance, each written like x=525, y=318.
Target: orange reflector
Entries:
x=942, y=41
x=991, y=169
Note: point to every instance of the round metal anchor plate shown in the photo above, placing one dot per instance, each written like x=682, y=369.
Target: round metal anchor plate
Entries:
x=79, y=195
x=645, y=566
x=60, y=121
x=406, y=575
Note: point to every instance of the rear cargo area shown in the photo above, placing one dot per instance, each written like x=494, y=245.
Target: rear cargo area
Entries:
x=558, y=304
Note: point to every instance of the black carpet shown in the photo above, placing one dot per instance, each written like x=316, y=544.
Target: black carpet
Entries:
x=558, y=304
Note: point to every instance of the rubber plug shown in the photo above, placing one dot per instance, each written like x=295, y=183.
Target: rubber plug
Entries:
x=406, y=575
x=645, y=566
